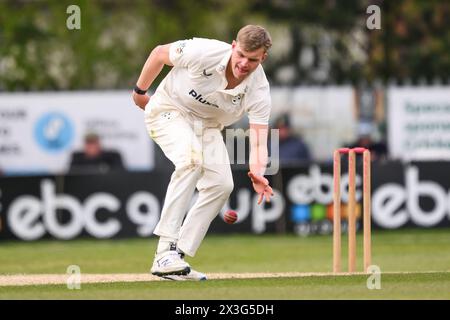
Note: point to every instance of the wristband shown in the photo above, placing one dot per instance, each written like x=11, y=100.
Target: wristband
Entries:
x=139, y=90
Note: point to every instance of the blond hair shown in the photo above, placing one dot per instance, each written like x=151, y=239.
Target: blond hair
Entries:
x=253, y=37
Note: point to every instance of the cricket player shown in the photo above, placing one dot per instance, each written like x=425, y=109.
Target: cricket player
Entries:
x=212, y=84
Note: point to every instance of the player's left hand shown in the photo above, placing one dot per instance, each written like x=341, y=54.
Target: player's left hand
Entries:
x=261, y=186
x=140, y=100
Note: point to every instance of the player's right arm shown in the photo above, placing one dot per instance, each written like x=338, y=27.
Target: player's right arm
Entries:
x=152, y=68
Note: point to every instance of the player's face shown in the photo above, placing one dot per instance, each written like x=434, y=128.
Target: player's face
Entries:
x=245, y=62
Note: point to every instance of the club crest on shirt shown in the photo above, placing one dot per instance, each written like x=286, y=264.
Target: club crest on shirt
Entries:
x=237, y=99
x=180, y=47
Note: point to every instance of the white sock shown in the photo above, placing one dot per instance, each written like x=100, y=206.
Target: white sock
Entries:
x=164, y=244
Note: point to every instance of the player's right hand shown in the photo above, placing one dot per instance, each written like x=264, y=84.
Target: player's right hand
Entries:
x=261, y=186
x=141, y=100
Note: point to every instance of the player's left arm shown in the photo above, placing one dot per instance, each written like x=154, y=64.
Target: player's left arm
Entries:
x=258, y=161
x=258, y=148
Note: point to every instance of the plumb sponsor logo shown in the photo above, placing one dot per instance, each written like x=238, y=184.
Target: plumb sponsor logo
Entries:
x=199, y=98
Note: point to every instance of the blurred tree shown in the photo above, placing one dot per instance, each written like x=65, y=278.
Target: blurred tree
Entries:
x=415, y=41
x=38, y=51
x=315, y=42
x=324, y=40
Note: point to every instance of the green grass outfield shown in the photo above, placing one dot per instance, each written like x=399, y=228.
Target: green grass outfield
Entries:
x=415, y=264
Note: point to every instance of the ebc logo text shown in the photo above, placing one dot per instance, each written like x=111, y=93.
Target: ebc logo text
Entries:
x=53, y=132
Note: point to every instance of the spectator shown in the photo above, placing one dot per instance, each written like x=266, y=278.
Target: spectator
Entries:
x=292, y=148
x=378, y=150
x=93, y=159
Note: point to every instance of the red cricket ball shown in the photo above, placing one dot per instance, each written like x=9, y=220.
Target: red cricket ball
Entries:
x=230, y=216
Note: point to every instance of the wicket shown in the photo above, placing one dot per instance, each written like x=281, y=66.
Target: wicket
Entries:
x=351, y=214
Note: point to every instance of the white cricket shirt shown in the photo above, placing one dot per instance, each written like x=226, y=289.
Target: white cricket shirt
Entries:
x=197, y=83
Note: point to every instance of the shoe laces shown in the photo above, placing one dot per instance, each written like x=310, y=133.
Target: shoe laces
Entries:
x=172, y=246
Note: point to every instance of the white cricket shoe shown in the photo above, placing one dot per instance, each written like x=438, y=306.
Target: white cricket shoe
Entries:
x=193, y=275
x=169, y=263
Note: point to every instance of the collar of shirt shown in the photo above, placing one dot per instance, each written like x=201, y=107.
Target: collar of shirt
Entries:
x=242, y=88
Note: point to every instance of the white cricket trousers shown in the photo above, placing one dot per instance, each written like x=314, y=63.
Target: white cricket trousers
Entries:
x=201, y=161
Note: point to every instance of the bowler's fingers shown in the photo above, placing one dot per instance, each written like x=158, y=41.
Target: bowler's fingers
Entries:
x=260, y=198
x=268, y=192
x=267, y=195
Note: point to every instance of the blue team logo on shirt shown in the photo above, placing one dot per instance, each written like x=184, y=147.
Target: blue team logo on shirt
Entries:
x=53, y=132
